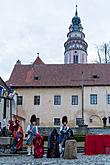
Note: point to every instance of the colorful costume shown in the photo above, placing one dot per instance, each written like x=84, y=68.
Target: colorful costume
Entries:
x=31, y=133
x=53, y=145
x=65, y=134
x=11, y=128
x=17, y=138
x=38, y=143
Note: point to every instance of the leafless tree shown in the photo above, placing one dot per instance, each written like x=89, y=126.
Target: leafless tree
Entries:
x=103, y=53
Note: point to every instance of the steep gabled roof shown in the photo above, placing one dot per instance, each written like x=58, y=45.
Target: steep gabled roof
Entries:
x=60, y=75
x=38, y=61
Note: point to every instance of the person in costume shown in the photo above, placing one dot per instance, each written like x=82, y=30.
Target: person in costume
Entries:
x=53, y=144
x=38, y=142
x=104, y=119
x=17, y=137
x=31, y=131
x=65, y=134
x=11, y=127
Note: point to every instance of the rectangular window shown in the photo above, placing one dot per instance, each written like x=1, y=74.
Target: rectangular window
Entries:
x=74, y=100
x=57, y=100
x=38, y=121
x=108, y=99
x=57, y=121
x=19, y=100
x=93, y=99
x=36, y=100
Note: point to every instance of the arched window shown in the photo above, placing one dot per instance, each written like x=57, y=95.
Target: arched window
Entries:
x=75, y=59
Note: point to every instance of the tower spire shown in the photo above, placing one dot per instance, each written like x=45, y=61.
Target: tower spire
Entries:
x=75, y=46
x=76, y=13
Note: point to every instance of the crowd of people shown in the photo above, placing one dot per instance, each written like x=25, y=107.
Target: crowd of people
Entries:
x=35, y=142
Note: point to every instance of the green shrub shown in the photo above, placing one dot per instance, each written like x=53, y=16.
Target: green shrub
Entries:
x=79, y=138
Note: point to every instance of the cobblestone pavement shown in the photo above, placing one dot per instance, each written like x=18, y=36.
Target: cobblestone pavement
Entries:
x=30, y=160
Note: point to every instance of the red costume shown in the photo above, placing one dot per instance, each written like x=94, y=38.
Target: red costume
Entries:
x=11, y=127
x=38, y=143
x=18, y=137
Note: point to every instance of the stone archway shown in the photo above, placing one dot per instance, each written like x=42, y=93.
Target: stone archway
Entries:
x=92, y=120
x=95, y=120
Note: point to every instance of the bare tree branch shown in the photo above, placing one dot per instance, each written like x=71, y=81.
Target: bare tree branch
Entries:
x=98, y=53
x=103, y=52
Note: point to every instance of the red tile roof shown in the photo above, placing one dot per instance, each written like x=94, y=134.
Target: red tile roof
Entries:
x=38, y=61
x=59, y=75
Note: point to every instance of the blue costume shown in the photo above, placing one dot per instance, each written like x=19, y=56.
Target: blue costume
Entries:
x=65, y=134
x=31, y=131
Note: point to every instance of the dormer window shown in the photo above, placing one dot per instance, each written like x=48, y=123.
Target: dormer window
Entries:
x=36, y=78
x=95, y=76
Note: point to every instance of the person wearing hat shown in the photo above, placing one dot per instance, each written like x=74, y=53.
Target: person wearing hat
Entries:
x=104, y=119
x=65, y=134
x=31, y=131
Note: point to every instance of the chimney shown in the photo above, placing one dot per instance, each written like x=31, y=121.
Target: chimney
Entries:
x=18, y=62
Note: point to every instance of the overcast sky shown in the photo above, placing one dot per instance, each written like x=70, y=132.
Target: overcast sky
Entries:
x=31, y=26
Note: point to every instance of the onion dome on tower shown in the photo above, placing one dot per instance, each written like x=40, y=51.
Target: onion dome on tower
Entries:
x=75, y=46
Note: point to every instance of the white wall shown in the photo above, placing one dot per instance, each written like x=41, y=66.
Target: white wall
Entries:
x=47, y=111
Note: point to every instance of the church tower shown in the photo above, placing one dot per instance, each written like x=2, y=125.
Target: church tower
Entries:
x=75, y=46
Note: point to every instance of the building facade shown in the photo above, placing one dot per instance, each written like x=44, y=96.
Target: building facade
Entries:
x=75, y=46
x=53, y=90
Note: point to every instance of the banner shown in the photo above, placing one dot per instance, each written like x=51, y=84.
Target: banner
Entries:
x=1, y=91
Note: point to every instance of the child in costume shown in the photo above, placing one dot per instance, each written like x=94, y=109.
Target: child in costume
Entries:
x=38, y=143
x=65, y=133
x=31, y=131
